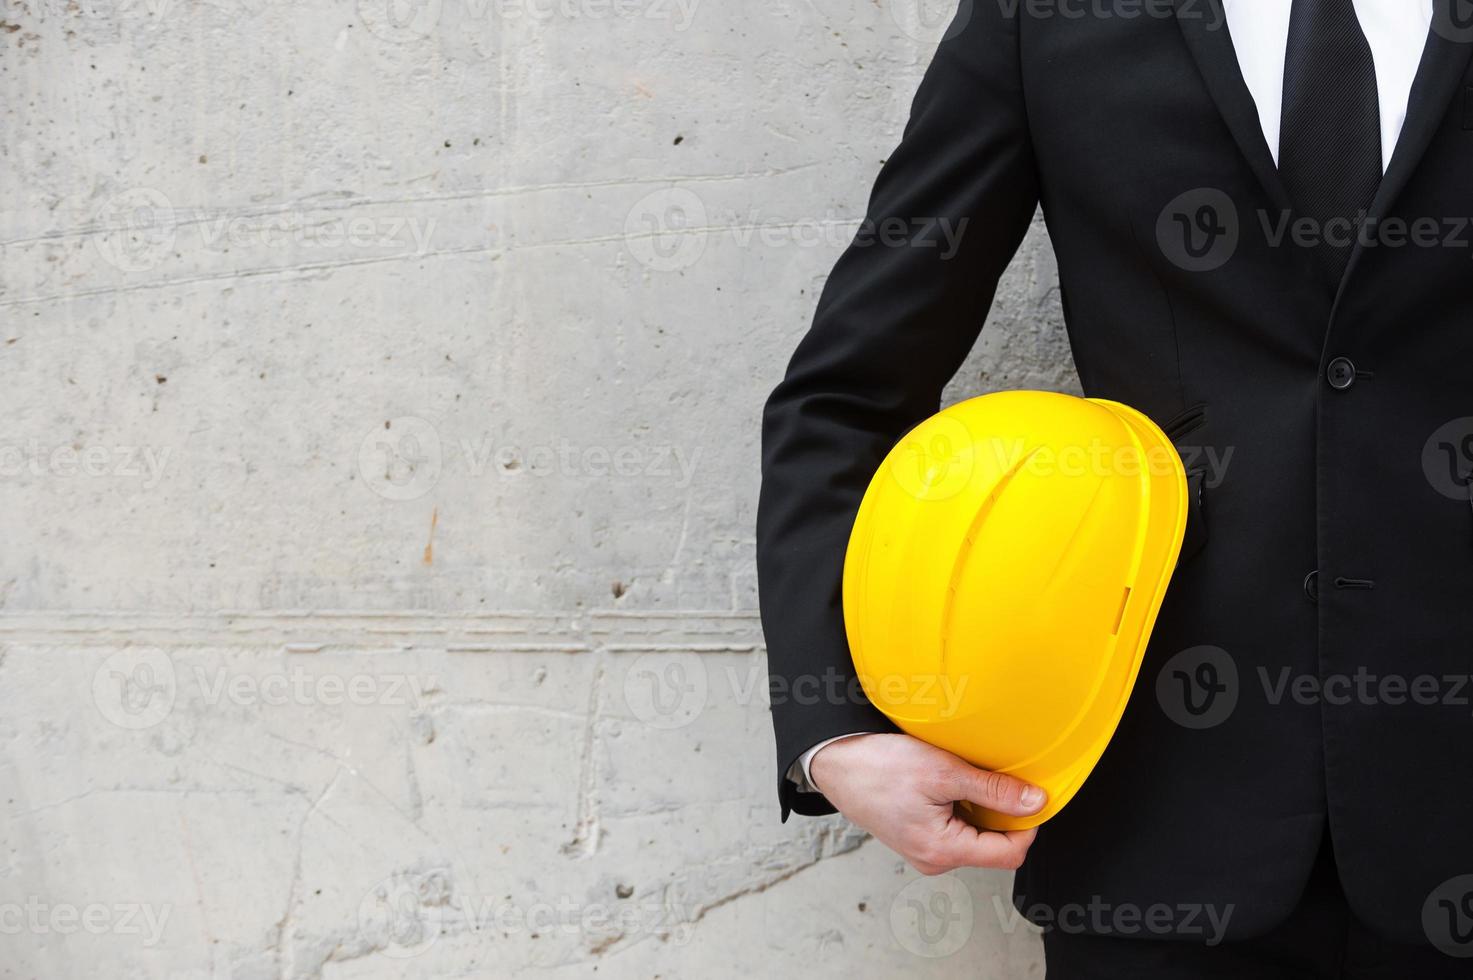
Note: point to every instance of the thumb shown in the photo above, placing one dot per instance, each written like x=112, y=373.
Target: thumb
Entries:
x=991, y=790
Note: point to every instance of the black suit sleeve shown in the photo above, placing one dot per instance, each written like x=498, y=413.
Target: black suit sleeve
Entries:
x=899, y=313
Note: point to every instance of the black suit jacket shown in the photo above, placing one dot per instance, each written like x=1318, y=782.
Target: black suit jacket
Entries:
x=1340, y=534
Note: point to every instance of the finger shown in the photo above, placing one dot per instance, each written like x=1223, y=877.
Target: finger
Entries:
x=992, y=790
x=968, y=847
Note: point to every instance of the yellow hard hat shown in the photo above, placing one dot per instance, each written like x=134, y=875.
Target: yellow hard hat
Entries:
x=1002, y=578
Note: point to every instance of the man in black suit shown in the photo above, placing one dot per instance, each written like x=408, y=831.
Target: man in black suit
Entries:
x=1260, y=210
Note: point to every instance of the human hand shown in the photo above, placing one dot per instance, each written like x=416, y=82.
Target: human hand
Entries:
x=903, y=791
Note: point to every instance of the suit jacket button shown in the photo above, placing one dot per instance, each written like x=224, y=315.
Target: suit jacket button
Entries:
x=1312, y=585
x=1341, y=373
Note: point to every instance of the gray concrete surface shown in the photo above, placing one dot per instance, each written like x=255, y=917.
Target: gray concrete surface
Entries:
x=380, y=406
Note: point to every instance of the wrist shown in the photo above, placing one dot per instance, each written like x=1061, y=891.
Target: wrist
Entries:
x=832, y=761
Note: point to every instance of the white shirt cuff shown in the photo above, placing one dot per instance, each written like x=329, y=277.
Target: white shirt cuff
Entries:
x=798, y=772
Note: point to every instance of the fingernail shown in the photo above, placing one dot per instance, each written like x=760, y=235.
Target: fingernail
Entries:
x=1032, y=797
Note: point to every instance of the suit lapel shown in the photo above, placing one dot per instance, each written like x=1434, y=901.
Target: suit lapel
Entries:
x=1444, y=62
x=1204, y=25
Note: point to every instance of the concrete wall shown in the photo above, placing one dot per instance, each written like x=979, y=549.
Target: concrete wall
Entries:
x=378, y=465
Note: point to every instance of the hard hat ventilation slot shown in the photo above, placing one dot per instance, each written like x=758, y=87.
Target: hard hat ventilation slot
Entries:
x=1120, y=616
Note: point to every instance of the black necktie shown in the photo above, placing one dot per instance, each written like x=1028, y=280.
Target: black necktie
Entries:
x=1330, y=132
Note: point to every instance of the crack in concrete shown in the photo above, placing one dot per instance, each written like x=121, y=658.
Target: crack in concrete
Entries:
x=353, y=203
x=585, y=840
x=284, y=923
x=829, y=844
x=199, y=888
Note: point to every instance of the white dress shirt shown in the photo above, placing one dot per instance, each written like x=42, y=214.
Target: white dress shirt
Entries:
x=1397, y=31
